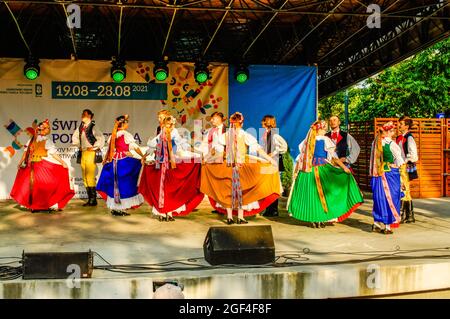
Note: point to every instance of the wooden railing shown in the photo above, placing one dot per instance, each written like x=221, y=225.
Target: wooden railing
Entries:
x=432, y=137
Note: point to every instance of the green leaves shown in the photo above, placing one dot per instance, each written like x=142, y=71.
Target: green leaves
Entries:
x=419, y=87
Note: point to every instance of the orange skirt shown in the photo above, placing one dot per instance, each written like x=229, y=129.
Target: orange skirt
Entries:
x=258, y=181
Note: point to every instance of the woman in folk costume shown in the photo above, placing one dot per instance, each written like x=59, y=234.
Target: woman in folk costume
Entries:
x=241, y=185
x=388, y=171
x=172, y=180
x=42, y=181
x=275, y=146
x=118, y=180
x=322, y=191
x=162, y=114
x=211, y=147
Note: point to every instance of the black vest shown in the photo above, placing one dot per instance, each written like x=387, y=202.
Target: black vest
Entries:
x=89, y=135
x=342, y=146
x=405, y=145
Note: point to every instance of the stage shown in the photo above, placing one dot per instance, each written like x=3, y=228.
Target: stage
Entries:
x=337, y=261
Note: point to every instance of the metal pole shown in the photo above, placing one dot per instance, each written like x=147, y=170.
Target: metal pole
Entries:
x=346, y=109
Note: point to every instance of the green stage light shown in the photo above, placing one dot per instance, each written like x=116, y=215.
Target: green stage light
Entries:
x=241, y=74
x=201, y=72
x=201, y=77
x=31, y=70
x=118, y=70
x=118, y=76
x=161, y=71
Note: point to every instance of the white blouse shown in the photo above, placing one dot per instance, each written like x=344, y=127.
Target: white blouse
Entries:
x=180, y=142
x=395, y=149
x=330, y=147
x=215, y=144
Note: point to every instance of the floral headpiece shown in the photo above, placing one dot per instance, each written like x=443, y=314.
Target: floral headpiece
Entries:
x=321, y=125
x=388, y=126
x=234, y=120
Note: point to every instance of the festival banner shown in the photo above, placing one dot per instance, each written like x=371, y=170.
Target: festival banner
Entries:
x=65, y=87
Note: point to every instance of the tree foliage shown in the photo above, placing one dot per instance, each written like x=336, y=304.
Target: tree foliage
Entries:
x=419, y=87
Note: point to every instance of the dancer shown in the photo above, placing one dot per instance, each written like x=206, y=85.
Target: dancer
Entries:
x=90, y=141
x=275, y=146
x=171, y=181
x=42, y=181
x=347, y=149
x=388, y=173
x=408, y=148
x=242, y=185
x=162, y=114
x=322, y=191
x=118, y=181
x=212, y=148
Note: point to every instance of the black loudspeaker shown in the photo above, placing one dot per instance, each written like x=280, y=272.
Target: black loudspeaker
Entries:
x=250, y=245
x=57, y=265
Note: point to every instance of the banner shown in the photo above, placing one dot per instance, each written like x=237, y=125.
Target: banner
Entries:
x=64, y=88
x=287, y=92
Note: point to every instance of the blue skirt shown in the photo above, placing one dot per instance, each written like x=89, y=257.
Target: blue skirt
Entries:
x=128, y=170
x=381, y=210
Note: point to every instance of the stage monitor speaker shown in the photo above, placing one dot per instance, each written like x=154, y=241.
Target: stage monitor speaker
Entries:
x=250, y=245
x=57, y=265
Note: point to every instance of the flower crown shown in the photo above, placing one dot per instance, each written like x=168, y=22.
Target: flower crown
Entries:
x=388, y=126
x=170, y=119
x=321, y=125
x=233, y=120
x=44, y=124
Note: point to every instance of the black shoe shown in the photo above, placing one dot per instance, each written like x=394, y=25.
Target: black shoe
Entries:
x=214, y=211
x=170, y=219
x=387, y=232
x=376, y=229
x=411, y=218
x=119, y=213
x=88, y=191
x=241, y=221
x=322, y=225
x=267, y=213
x=93, y=197
x=161, y=218
x=230, y=221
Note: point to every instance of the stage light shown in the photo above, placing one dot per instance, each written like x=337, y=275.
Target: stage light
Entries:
x=161, y=71
x=241, y=73
x=31, y=70
x=118, y=70
x=201, y=72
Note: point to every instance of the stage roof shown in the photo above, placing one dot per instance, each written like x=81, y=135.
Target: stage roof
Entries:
x=330, y=33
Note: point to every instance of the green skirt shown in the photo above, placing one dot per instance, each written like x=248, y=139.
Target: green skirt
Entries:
x=341, y=195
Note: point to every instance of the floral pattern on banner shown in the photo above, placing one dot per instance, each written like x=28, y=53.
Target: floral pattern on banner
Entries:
x=188, y=100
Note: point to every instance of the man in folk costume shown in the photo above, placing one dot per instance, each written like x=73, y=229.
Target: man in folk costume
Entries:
x=410, y=156
x=254, y=185
x=275, y=146
x=171, y=181
x=119, y=177
x=90, y=140
x=347, y=149
x=323, y=187
x=42, y=181
x=388, y=171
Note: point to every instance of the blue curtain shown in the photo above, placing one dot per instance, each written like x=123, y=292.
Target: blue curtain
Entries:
x=287, y=92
